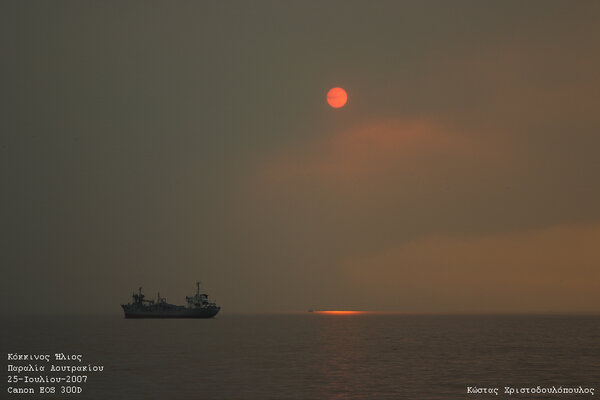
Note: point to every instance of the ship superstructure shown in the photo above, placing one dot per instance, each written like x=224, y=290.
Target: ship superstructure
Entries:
x=198, y=306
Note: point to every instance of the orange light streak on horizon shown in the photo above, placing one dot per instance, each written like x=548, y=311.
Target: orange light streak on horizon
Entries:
x=339, y=312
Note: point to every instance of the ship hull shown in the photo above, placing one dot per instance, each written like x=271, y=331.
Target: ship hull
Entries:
x=208, y=312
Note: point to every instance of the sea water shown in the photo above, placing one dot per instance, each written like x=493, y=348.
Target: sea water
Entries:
x=318, y=356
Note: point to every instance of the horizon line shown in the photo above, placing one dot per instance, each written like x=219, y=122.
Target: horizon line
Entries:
x=335, y=312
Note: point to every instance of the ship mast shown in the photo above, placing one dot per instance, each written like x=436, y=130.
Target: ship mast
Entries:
x=197, y=288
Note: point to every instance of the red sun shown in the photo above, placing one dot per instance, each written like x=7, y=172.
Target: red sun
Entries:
x=337, y=97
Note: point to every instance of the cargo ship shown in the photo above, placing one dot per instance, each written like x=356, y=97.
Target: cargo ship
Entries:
x=198, y=306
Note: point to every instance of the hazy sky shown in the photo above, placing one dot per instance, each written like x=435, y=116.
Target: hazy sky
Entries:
x=156, y=143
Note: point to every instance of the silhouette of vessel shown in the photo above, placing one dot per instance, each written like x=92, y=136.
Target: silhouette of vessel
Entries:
x=198, y=306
